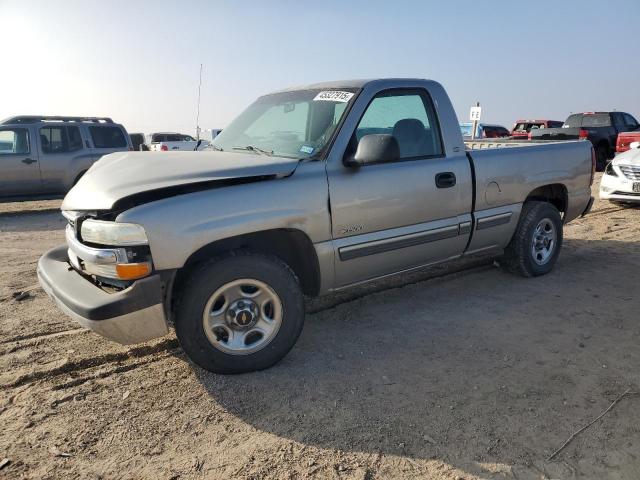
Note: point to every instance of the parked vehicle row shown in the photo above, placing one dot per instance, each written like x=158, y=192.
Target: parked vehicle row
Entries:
x=308, y=191
x=483, y=130
x=600, y=128
x=522, y=128
x=608, y=132
x=46, y=155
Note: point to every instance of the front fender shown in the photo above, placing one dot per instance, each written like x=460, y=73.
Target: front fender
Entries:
x=179, y=226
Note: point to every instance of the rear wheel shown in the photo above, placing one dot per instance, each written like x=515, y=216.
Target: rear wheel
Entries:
x=240, y=313
x=536, y=244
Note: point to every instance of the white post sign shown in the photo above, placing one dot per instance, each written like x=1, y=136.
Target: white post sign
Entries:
x=475, y=114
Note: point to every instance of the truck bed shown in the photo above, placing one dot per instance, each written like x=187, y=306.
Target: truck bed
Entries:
x=502, y=174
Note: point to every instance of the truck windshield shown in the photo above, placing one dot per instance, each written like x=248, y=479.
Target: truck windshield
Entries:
x=295, y=124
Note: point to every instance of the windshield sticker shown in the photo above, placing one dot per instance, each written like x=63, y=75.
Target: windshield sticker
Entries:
x=306, y=149
x=333, y=96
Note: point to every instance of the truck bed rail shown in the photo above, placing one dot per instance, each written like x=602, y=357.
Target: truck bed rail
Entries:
x=502, y=143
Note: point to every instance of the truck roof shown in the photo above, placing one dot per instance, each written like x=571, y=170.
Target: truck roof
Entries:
x=356, y=83
x=599, y=113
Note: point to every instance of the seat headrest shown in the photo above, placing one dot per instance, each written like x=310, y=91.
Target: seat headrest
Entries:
x=409, y=129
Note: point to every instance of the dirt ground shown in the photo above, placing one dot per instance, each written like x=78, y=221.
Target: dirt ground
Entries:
x=462, y=372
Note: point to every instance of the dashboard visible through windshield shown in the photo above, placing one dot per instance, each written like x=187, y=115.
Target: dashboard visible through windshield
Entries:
x=295, y=124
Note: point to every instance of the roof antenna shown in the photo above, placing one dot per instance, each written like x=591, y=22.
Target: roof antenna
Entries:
x=198, y=115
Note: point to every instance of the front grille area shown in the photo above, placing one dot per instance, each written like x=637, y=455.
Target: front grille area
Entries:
x=632, y=172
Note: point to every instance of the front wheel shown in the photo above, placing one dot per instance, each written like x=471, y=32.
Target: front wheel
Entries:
x=536, y=244
x=240, y=313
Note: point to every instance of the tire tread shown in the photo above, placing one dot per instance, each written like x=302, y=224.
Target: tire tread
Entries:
x=516, y=256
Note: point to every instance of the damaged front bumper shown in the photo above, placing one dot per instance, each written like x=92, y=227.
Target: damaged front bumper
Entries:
x=133, y=315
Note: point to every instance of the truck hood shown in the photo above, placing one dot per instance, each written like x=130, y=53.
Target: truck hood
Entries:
x=630, y=157
x=124, y=174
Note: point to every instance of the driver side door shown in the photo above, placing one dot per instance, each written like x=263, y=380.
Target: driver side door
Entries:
x=403, y=214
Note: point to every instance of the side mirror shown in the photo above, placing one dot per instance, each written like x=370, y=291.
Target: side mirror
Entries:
x=198, y=144
x=375, y=148
x=634, y=145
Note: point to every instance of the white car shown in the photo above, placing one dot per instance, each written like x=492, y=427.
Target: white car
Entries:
x=171, y=141
x=621, y=179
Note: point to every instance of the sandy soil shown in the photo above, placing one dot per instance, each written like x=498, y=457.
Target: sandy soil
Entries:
x=458, y=373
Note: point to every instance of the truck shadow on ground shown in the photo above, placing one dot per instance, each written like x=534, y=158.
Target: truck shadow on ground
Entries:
x=478, y=367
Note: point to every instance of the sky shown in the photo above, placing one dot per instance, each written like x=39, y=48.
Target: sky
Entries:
x=138, y=62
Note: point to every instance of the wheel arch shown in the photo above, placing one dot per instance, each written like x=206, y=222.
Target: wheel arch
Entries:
x=554, y=193
x=290, y=245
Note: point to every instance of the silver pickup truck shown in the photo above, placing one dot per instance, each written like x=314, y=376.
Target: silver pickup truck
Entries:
x=310, y=190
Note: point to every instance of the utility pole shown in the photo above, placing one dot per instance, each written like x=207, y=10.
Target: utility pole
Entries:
x=198, y=114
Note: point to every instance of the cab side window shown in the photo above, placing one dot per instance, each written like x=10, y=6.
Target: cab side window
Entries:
x=409, y=116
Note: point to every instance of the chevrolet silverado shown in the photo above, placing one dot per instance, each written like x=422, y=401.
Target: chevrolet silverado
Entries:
x=309, y=191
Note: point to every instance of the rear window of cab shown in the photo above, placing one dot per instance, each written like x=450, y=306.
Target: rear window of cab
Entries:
x=588, y=120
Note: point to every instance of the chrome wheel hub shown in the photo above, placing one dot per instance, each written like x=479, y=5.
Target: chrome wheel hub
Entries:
x=544, y=241
x=242, y=316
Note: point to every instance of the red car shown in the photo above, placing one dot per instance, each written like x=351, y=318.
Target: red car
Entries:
x=522, y=127
x=625, y=139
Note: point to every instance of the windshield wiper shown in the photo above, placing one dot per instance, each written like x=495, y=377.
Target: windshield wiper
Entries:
x=258, y=150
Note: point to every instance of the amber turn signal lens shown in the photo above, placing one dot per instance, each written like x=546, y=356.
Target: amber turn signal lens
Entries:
x=131, y=271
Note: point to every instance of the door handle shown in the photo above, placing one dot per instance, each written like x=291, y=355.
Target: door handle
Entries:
x=28, y=161
x=445, y=180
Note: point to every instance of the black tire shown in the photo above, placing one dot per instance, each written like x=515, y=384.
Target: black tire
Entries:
x=212, y=275
x=602, y=157
x=519, y=256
